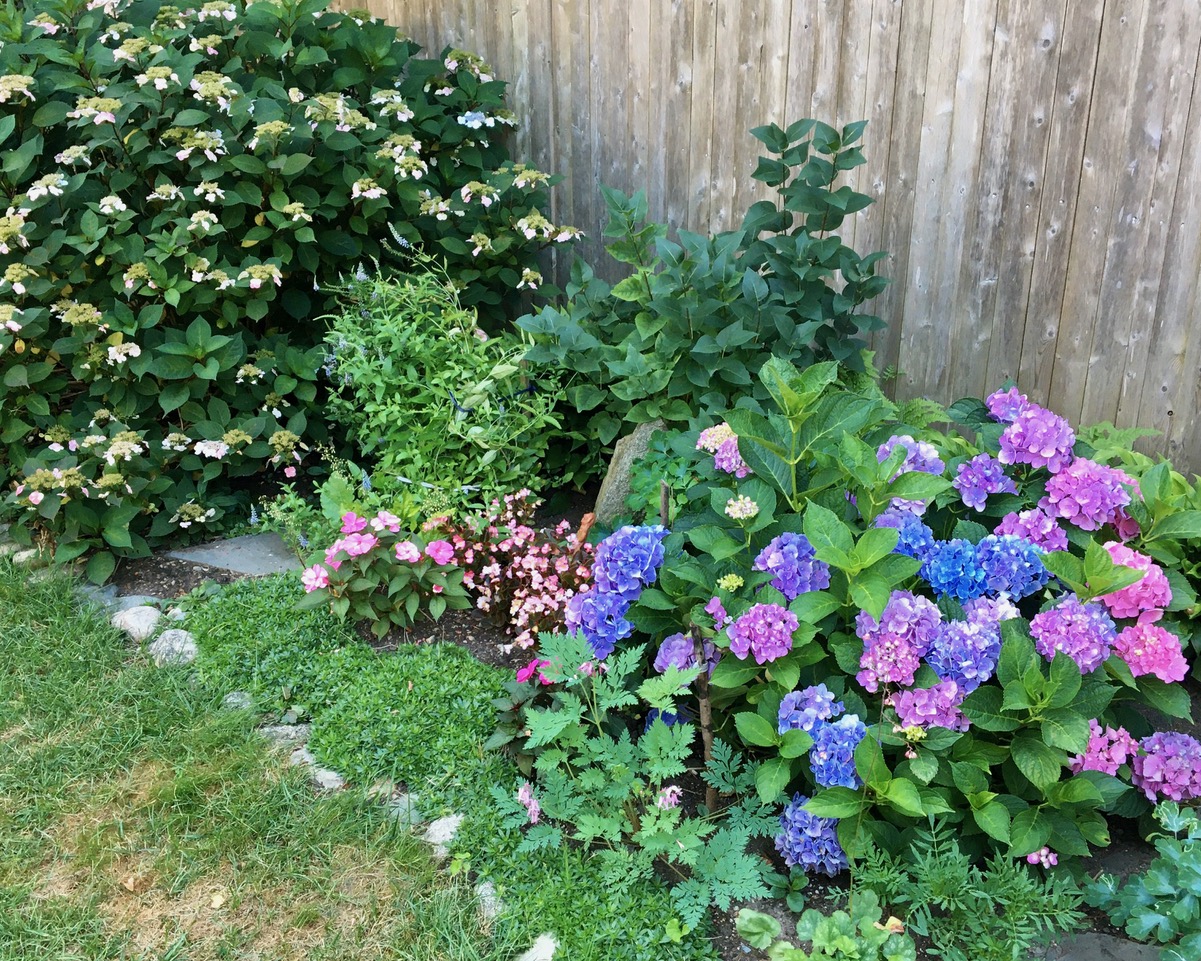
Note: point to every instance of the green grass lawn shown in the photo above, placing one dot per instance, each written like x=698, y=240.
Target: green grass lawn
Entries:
x=140, y=820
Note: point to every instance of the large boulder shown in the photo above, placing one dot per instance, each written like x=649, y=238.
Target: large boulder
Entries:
x=615, y=488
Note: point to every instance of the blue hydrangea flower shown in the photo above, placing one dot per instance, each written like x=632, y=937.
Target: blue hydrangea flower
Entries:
x=601, y=617
x=790, y=558
x=915, y=537
x=965, y=652
x=1011, y=565
x=832, y=756
x=669, y=718
x=808, y=841
x=628, y=559
x=801, y=710
x=953, y=568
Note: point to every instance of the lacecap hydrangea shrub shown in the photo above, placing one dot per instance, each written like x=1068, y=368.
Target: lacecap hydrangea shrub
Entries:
x=897, y=623
x=176, y=180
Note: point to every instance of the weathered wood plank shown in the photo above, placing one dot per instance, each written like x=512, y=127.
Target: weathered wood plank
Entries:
x=671, y=109
x=703, y=115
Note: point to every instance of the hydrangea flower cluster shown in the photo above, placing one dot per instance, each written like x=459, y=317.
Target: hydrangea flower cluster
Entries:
x=1087, y=494
x=919, y=456
x=1005, y=405
x=809, y=842
x=679, y=651
x=790, y=557
x=1011, y=565
x=801, y=710
x=722, y=443
x=953, y=568
x=1168, y=765
x=893, y=645
x=1084, y=632
x=1145, y=598
x=936, y=706
x=990, y=611
x=1038, y=437
x=765, y=631
x=966, y=653
x=1150, y=649
x=832, y=756
x=1036, y=526
x=625, y=562
x=914, y=537
x=977, y=478
x=1108, y=749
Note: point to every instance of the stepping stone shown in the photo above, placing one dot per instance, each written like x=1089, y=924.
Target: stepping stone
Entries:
x=542, y=949
x=441, y=832
x=490, y=903
x=403, y=808
x=30, y=557
x=286, y=735
x=322, y=777
x=173, y=648
x=1100, y=947
x=139, y=623
x=135, y=600
x=237, y=701
x=252, y=554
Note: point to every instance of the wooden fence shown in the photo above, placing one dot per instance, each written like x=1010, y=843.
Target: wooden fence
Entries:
x=1036, y=174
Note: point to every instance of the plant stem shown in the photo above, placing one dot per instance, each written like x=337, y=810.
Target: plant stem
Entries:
x=705, y=709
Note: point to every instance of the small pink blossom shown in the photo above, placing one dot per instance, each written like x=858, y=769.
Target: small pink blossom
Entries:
x=352, y=523
x=314, y=578
x=408, y=552
x=385, y=521
x=289, y=471
x=669, y=797
x=440, y=552
x=356, y=545
x=525, y=797
x=36, y=497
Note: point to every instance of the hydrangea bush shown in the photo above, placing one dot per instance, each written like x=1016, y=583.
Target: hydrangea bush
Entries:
x=175, y=180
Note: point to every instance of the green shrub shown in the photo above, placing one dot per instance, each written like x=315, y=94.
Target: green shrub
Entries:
x=690, y=328
x=177, y=183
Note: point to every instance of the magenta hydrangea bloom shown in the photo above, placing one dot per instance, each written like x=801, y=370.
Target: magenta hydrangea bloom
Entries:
x=1168, y=765
x=1087, y=494
x=1107, y=750
x=715, y=610
x=722, y=443
x=977, y=478
x=893, y=646
x=936, y=706
x=1145, y=598
x=1084, y=632
x=1005, y=405
x=1036, y=526
x=1038, y=437
x=765, y=631
x=1150, y=649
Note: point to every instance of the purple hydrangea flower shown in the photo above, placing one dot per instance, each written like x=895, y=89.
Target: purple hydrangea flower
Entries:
x=893, y=645
x=790, y=558
x=800, y=710
x=1005, y=405
x=965, y=653
x=1087, y=494
x=1038, y=437
x=729, y=460
x=765, y=631
x=679, y=651
x=990, y=611
x=936, y=706
x=1011, y=565
x=919, y=456
x=628, y=559
x=601, y=617
x=979, y=477
x=810, y=842
x=832, y=757
x=1036, y=526
x=718, y=612
x=1168, y=765
x=915, y=537
x=953, y=568
x=1107, y=750
x=1084, y=632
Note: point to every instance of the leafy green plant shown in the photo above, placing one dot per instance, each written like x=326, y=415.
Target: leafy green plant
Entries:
x=687, y=331
x=856, y=934
x=668, y=460
x=1162, y=904
x=177, y=181
x=995, y=912
x=428, y=396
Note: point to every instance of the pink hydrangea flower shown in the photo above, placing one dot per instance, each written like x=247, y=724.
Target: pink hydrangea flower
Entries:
x=1145, y=598
x=408, y=552
x=1037, y=526
x=936, y=706
x=1107, y=750
x=440, y=552
x=36, y=497
x=765, y=631
x=1149, y=649
x=1168, y=765
x=1087, y=494
x=352, y=523
x=1044, y=856
x=1038, y=437
x=314, y=578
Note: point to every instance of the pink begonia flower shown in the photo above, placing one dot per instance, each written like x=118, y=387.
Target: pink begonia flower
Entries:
x=436, y=588
x=331, y=554
x=314, y=578
x=1145, y=598
x=385, y=521
x=356, y=545
x=440, y=552
x=352, y=523
x=36, y=498
x=1150, y=649
x=408, y=551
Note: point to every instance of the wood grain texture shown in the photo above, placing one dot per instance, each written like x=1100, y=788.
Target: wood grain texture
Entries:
x=1035, y=165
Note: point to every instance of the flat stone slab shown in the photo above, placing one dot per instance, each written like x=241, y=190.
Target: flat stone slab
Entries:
x=252, y=554
x=1100, y=947
x=543, y=949
x=286, y=735
x=441, y=832
x=173, y=648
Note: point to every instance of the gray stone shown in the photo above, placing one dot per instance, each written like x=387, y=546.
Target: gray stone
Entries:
x=176, y=613
x=1100, y=947
x=286, y=735
x=441, y=832
x=615, y=488
x=9, y=547
x=403, y=809
x=136, y=600
x=30, y=557
x=173, y=647
x=302, y=757
x=253, y=554
x=490, y=903
x=105, y=597
x=139, y=623
x=237, y=701
x=326, y=780
x=543, y=949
